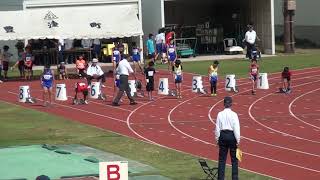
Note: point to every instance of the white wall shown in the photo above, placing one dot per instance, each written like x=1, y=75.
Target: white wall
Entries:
x=152, y=16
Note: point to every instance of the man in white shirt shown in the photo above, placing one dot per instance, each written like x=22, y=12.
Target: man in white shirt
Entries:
x=227, y=135
x=94, y=71
x=124, y=70
x=160, y=39
x=250, y=39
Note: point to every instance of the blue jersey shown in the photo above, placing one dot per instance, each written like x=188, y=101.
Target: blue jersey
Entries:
x=135, y=54
x=116, y=55
x=171, y=52
x=47, y=78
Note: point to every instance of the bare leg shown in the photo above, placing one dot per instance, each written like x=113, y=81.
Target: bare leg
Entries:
x=44, y=95
x=50, y=95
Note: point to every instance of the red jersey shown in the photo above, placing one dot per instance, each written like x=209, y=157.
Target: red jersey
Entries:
x=254, y=69
x=81, y=87
x=286, y=74
x=169, y=37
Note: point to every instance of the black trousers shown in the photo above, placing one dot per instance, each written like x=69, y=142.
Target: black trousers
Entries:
x=249, y=49
x=124, y=86
x=213, y=87
x=227, y=141
x=102, y=78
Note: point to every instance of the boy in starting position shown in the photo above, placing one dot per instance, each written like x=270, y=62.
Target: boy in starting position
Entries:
x=286, y=80
x=81, y=88
x=253, y=74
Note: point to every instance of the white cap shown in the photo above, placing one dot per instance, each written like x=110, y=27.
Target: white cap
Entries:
x=95, y=60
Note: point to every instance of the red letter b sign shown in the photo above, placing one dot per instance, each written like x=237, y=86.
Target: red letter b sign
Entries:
x=113, y=170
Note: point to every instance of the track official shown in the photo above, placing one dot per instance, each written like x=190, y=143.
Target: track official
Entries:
x=227, y=135
x=250, y=40
x=124, y=69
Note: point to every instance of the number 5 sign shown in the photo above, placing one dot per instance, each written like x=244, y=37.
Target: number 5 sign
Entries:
x=113, y=171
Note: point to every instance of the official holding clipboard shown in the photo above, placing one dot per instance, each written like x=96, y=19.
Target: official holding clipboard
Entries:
x=227, y=135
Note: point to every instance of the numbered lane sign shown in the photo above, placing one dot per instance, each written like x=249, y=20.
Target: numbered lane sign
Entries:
x=113, y=170
x=24, y=93
x=133, y=89
x=61, y=92
x=95, y=90
x=163, y=87
x=230, y=82
x=196, y=83
x=262, y=82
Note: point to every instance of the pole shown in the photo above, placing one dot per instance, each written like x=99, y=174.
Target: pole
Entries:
x=288, y=33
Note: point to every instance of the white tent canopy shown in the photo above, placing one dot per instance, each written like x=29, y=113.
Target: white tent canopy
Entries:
x=82, y=22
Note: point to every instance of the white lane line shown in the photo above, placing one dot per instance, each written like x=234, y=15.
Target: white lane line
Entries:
x=297, y=118
x=272, y=129
x=77, y=109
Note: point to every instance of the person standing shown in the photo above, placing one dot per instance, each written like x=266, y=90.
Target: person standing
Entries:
x=124, y=69
x=5, y=61
x=227, y=135
x=96, y=48
x=61, y=49
x=250, y=40
x=160, y=39
x=150, y=48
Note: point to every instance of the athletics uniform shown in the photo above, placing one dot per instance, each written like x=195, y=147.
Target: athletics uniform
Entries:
x=81, y=66
x=149, y=72
x=5, y=61
x=213, y=79
x=116, y=56
x=82, y=87
x=177, y=74
x=254, y=68
x=172, y=53
x=47, y=79
x=27, y=57
x=136, y=55
x=286, y=75
x=62, y=69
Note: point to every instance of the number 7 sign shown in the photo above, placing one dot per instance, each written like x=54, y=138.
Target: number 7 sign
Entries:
x=113, y=171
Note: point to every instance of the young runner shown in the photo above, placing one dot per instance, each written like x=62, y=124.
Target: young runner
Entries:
x=62, y=71
x=172, y=55
x=136, y=57
x=178, y=77
x=253, y=74
x=286, y=80
x=150, y=72
x=213, y=77
x=47, y=80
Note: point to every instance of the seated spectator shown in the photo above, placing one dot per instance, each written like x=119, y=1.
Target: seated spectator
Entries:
x=94, y=71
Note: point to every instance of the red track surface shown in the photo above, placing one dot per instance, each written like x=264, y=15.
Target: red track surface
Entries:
x=280, y=133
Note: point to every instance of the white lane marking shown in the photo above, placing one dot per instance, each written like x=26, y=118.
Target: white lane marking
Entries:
x=278, y=131
x=297, y=118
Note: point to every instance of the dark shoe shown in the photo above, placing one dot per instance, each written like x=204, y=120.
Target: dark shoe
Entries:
x=133, y=103
x=115, y=104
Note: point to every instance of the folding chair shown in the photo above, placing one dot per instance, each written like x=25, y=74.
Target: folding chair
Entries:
x=212, y=173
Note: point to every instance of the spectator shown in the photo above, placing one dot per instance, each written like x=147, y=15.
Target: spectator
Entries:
x=68, y=45
x=150, y=48
x=5, y=61
x=96, y=48
x=160, y=39
x=94, y=71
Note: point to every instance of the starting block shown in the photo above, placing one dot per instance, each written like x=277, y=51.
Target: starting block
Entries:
x=263, y=83
x=133, y=89
x=95, y=91
x=24, y=95
x=172, y=92
x=231, y=85
x=163, y=88
x=61, y=92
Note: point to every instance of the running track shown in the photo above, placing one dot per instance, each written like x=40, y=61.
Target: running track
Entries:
x=280, y=133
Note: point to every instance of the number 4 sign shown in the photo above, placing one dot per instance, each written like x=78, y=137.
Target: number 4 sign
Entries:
x=113, y=171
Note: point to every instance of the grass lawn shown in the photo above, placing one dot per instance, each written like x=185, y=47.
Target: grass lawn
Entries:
x=240, y=67
x=39, y=128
